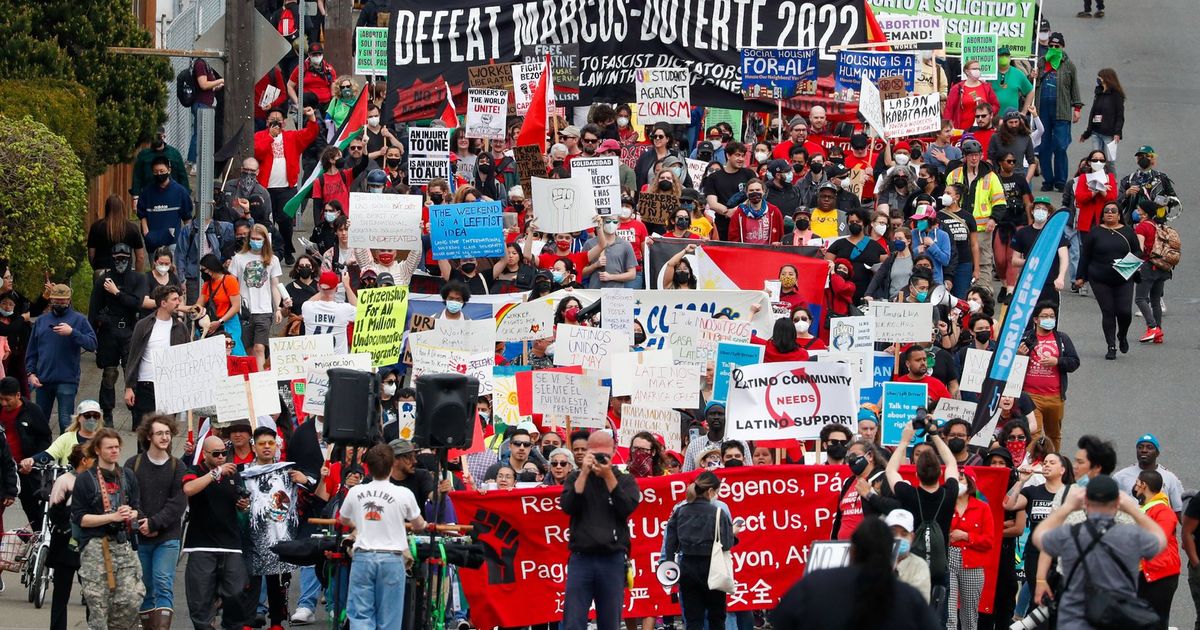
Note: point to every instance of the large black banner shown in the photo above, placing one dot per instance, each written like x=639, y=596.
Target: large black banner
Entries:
x=427, y=45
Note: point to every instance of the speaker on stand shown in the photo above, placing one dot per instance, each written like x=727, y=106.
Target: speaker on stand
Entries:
x=351, y=407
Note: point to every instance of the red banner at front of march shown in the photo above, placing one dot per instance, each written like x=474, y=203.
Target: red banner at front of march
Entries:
x=525, y=537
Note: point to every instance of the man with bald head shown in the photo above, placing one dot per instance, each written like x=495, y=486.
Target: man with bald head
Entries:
x=599, y=499
x=246, y=186
x=214, y=538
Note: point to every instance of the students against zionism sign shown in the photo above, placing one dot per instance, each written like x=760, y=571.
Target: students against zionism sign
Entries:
x=385, y=221
x=912, y=115
x=486, y=110
x=434, y=42
x=778, y=73
x=1014, y=21
x=663, y=95
x=792, y=400
x=912, y=32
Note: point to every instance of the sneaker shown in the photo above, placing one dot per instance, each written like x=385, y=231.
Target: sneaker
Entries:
x=1084, y=14
x=1060, y=186
x=303, y=616
x=1150, y=335
x=1111, y=355
x=1100, y=13
x=1085, y=291
x=1159, y=338
x=1162, y=304
x=1047, y=187
x=1137, y=313
x=463, y=624
x=1124, y=343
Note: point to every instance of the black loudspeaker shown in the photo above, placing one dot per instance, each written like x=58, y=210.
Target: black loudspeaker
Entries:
x=445, y=410
x=351, y=406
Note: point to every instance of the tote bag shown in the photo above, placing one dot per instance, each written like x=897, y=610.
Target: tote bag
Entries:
x=720, y=567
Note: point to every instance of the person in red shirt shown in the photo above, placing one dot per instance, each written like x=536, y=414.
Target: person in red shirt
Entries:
x=561, y=249
x=318, y=76
x=803, y=319
x=798, y=136
x=972, y=535
x=1159, y=576
x=966, y=94
x=860, y=158
x=756, y=220
x=783, y=345
x=984, y=127
x=915, y=358
x=333, y=184
x=841, y=287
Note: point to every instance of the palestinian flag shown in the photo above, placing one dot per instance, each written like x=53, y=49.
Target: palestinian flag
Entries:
x=353, y=125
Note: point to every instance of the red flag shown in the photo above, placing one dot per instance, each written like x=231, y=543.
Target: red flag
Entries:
x=449, y=114
x=533, y=130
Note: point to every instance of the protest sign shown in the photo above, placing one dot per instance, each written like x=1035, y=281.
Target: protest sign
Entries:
x=525, y=79
x=605, y=175
x=891, y=87
x=530, y=163
x=525, y=321
x=1016, y=378
x=486, y=111
x=428, y=359
x=912, y=32
x=579, y=396
x=417, y=322
x=180, y=371
x=882, y=364
x=422, y=170
x=778, y=73
x=385, y=221
x=563, y=205
x=564, y=67
x=852, y=334
x=730, y=355
x=468, y=335
x=974, y=370
x=431, y=142
x=631, y=153
x=317, y=368
x=870, y=106
x=949, y=408
x=696, y=170
x=624, y=368
x=912, y=115
x=663, y=95
x=370, y=51
x=860, y=366
x=461, y=230
x=591, y=348
x=478, y=366
x=900, y=404
x=791, y=400
x=1014, y=22
x=616, y=311
x=233, y=395
x=712, y=331
x=505, y=409
x=664, y=422
x=657, y=208
x=666, y=386
x=494, y=76
x=902, y=322
x=981, y=47
x=684, y=327
x=379, y=324
x=854, y=65
x=289, y=353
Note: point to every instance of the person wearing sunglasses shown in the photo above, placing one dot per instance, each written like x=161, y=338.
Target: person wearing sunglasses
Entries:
x=562, y=462
x=213, y=540
x=520, y=449
x=661, y=144
x=1058, y=106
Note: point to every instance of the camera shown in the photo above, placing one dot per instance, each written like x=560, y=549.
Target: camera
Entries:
x=924, y=422
x=1035, y=618
x=601, y=458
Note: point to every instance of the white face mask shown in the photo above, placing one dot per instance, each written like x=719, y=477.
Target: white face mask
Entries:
x=973, y=73
x=389, y=389
x=317, y=59
x=880, y=228
x=761, y=156
x=625, y=212
x=902, y=159
x=622, y=121
x=330, y=217
x=373, y=121
x=610, y=228
x=962, y=487
x=1097, y=167
x=947, y=200
x=787, y=177
x=1040, y=215
x=974, y=305
x=162, y=269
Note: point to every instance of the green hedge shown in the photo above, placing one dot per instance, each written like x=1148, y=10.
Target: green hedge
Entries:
x=66, y=107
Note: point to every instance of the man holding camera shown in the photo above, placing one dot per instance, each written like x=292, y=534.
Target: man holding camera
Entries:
x=104, y=508
x=599, y=499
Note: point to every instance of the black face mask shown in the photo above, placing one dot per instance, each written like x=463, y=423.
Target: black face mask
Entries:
x=639, y=338
x=734, y=463
x=900, y=183
x=857, y=464
x=120, y=265
x=436, y=197
x=665, y=185
x=239, y=242
x=855, y=229
x=304, y=272
x=922, y=183
x=59, y=309
x=983, y=336
x=802, y=224
x=957, y=445
x=755, y=198
x=518, y=205
x=205, y=276
x=546, y=450
x=161, y=178
x=682, y=277
x=392, y=163
x=527, y=476
x=485, y=169
x=836, y=451
x=467, y=267
x=683, y=223
x=339, y=163
x=1143, y=163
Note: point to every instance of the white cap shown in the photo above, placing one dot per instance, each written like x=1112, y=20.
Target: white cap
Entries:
x=900, y=518
x=529, y=426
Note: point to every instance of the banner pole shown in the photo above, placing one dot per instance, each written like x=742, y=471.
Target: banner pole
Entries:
x=250, y=403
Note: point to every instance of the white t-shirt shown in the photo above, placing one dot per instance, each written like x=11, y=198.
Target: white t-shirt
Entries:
x=254, y=279
x=160, y=339
x=379, y=510
x=278, y=175
x=322, y=318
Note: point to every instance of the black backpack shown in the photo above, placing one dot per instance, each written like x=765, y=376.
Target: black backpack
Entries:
x=185, y=86
x=1103, y=608
x=929, y=542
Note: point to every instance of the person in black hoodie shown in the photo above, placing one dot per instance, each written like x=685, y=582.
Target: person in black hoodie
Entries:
x=1106, y=120
x=24, y=427
x=599, y=499
x=691, y=534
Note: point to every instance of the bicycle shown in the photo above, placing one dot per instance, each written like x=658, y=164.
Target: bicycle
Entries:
x=36, y=576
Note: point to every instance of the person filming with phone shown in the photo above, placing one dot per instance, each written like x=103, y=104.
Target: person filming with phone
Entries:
x=599, y=499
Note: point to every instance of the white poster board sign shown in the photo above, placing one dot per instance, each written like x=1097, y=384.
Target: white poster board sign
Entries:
x=385, y=221
x=288, y=354
x=181, y=371
x=563, y=205
x=902, y=322
x=605, y=175
x=318, y=377
x=486, y=111
x=791, y=400
x=663, y=95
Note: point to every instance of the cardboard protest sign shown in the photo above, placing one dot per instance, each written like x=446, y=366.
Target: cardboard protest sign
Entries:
x=664, y=422
x=1014, y=22
x=370, y=51
x=851, y=334
x=605, y=175
x=870, y=106
x=563, y=205
x=791, y=400
x=778, y=73
x=317, y=386
x=289, y=353
x=974, y=370
x=385, y=221
x=379, y=324
x=591, y=348
x=712, y=331
x=423, y=170
x=460, y=230
x=564, y=67
x=912, y=115
x=494, y=76
x=616, y=311
x=729, y=356
x=912, y=32
x=981, y=47
x=180, y=371
x=524, y=321
x=948, y=408
x=625, y=366
x=891, y=87
x=530, y=163
x=667, y=387
x=663, y=95
x=854, y=65
x=486, y=111
x=900, y=404
x=657, y=208
x=579, y=396
x=902, y=322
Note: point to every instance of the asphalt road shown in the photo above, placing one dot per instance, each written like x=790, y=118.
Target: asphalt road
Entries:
x=1153, y=48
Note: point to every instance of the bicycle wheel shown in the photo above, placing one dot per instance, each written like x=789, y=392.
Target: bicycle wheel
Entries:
x=27, y=574
x=41, y=577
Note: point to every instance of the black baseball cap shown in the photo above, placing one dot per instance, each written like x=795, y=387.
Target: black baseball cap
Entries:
x=1102, y=489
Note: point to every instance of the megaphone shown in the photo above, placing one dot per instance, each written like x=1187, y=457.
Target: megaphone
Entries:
x=667, y=573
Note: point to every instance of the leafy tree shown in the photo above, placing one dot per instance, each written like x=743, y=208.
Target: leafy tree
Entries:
x=66, y=107
x=42, y=207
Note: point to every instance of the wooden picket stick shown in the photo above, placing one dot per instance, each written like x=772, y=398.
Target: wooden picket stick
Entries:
x=250, y=404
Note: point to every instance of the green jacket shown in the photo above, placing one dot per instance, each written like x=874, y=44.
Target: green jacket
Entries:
x=143, y=176
x=1068, y=88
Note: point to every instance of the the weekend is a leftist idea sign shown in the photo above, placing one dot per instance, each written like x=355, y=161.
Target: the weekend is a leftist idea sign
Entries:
x=793, y=400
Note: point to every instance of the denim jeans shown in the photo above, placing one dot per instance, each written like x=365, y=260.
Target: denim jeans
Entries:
x=1100, y=142
x=1053, y=151
x=196, y=107
x=1073, y=249
x=64, y=393
x=376, y=591
x=599, y=578
x=158, y=572
x=310, y=588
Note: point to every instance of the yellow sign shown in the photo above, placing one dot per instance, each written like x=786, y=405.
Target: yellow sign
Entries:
x=379, y=324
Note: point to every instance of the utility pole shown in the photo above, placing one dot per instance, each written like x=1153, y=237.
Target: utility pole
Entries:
x=241, y=52
x=339, y=36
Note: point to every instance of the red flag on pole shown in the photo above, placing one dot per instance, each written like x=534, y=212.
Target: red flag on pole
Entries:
x=533, y=130
x=449, y=114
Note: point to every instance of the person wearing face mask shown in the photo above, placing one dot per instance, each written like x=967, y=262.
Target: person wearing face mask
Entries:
x=455, y=295
x=972, y=536
x=634, y=231
x=966, y=94
x=1058, y=105
x=691, y=536
x=143, y=174
x=278, y=153
x=894, y=189
x=612, y=262
x=1149, y=190
x=52, y=358
x=984, y=195
x=961, y=228
x=677, y=273
x=893, y=274
x=930, y=240
x=726, y=187
x=318, y=76
x=1012, y=138
x=1022, y=244
x=862, y=253
x=1106, y=120
x=911, y=569
x=333, y=184
x=1052, y=357
x=714, y=417
x=115, y=306
x=626, y=134
x=26, y=438
x=345, y=95
x=1159, y=576
x=863, y=493
x=323, y=314
x=1104, y=248
x=257, y=271
x=756, y=220
x=1011, y=85
x=781, y=192
x=163, y=206
x=324, y=234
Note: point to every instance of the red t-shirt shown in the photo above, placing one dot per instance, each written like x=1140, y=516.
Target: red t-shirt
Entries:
x=852, y=161
x=852, y=511
x=1039, y=379
x=634, y=232
x=773, y=355
x=9, y=420
x=546, y=261
x=971, y=97
x=316, y=83
x=937, y=389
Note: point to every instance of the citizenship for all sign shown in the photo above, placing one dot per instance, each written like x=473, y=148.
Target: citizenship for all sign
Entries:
x=793, y=400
